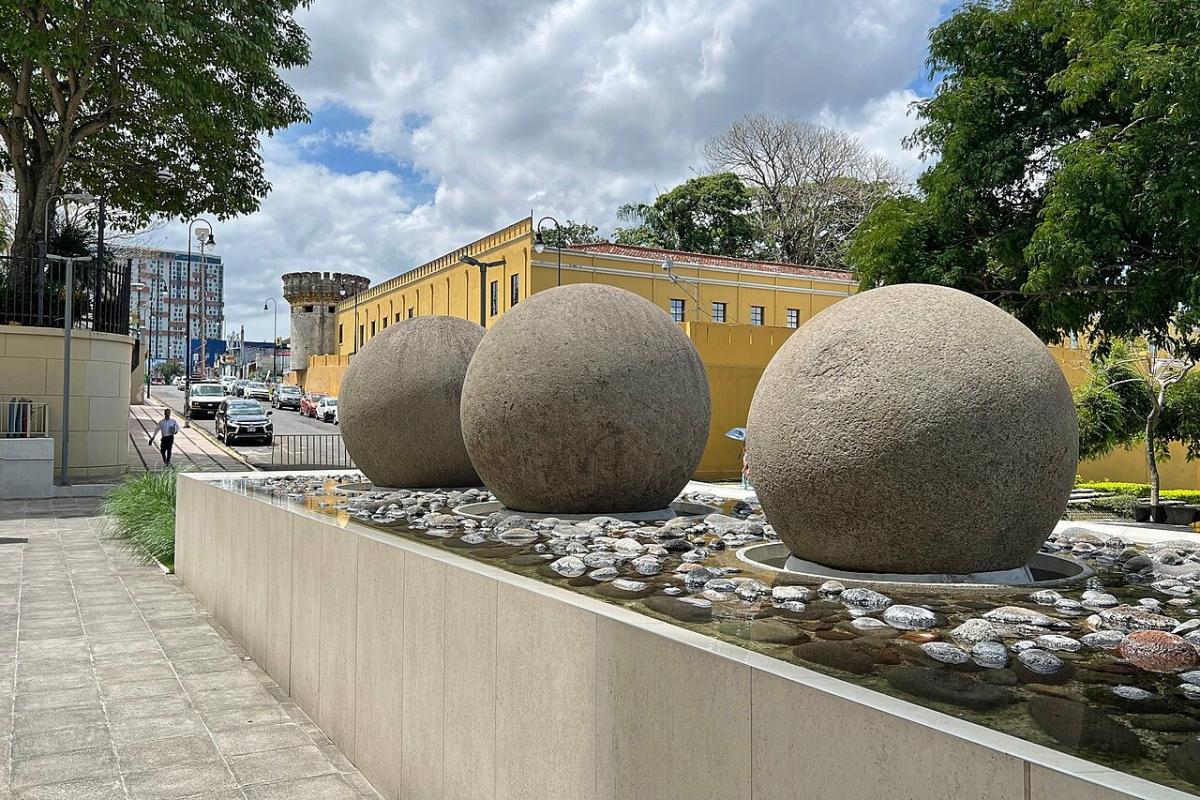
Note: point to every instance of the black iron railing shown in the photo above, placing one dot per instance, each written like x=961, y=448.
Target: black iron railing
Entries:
x=309, y=451
x=34, y=292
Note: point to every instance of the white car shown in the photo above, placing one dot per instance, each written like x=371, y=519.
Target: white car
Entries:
x=327, y=409
x=256, y=390
x=227, y=383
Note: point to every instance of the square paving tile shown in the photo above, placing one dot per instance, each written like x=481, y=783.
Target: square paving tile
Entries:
x=62, y=767
x=181, y=780
x=258, y=738
x=92, y=789
x=270, y=766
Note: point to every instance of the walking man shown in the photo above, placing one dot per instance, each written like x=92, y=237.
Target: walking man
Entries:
x=167, y=428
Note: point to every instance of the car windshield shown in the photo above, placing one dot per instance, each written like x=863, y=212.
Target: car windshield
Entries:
x=332, y=401
x=244, y=407
x=205, y=389
x=289, y=390
x=256, y=385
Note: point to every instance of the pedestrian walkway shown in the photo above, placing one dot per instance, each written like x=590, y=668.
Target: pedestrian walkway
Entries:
x=192, y=448
x=117, y=684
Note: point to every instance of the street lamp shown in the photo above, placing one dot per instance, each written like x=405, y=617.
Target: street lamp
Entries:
x=139, y=287
x=154, y=351
x=204, y=235
x=68, y=322
x=342, y=292
x=483, y=268
x=539, y=243
x=275, y=347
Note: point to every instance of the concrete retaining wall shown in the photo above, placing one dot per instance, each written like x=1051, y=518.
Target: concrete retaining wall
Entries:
x=441, y=677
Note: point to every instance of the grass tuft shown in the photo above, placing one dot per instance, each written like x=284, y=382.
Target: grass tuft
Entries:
x=141, y=512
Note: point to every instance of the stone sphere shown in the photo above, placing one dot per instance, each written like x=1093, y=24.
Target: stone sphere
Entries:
x=913, y=429
x=398, y=410
x=585, y=399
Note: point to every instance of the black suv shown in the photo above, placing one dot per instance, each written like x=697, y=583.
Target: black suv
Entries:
x=286, y=397
x=238, y=420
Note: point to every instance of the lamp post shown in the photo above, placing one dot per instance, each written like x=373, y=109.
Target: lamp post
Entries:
x=539, y=243
x=205, y=236
x=139, y=287
x=68, y=313
x=154, y=350
x=275, y=344
x=483, y=268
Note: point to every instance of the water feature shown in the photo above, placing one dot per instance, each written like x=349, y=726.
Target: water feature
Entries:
x=1092, y=666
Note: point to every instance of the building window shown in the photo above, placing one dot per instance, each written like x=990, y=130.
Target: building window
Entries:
x=372, y=327
x=385, y=321
x=514, y=290
x=793, y=318
x=756, y=315
x=410, y=312
x=718, y=312
x=494, y=291
x=339, y=333
x=676, y=310
x=362, y=332
x=397, y=318
x=332, y=309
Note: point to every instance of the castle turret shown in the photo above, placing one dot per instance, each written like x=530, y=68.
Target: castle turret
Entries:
x=313, y=297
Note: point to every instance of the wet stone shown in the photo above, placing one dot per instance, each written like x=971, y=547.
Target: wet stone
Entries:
x=1165, y=723
x=1016, y=615
x=681, y=608
x=945, y=653
x=765, y=631
x=1135, y=618
x=1057, y=642
x=912, y=618
x=843, y=656
x=947, y=687
x=1078, y=725
x=1158, y=651
x=783, y=594
x=1103, y=640
x=974, y=631
x=990, y=655
x=865, y=599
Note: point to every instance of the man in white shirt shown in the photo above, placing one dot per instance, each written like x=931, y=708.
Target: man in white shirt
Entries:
x=167, y=428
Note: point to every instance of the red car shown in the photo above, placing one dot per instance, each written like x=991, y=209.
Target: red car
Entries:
x=308, y=404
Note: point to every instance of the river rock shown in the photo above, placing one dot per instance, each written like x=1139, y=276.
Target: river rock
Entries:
x=912, y=618
x=1135, y=618
x=867, y=599
x=569, y=566
x=990, y=655
x=839, y=655
x=785, y=594
x=684, y=609
x=1158, y=651
x=1054, y=641
x=945, y=653
x=1103, y=640
x=942, y=686
x=1016, y=615
x=974, y=631
x=1080, y=726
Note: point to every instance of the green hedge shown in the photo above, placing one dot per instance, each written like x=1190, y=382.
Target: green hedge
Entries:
x=141, y=511
x=1140, y=490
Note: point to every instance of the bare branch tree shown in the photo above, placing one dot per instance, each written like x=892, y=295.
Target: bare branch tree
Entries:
x=813, y=185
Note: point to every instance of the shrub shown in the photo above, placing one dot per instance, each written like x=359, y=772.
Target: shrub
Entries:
x=1140, y=490
x=141, y=511
x=1119, y=504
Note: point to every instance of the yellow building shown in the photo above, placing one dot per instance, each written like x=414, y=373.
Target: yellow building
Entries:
x=737, y=313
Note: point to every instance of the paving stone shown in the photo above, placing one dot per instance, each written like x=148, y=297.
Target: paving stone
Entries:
x=158, y=754
x=94, y=789
x=26, y=722
x=61, y=741
x=62, y=767
x=181, y=780
x=59, y=698
x=141, y=689
x=325, y=787
x=271, y=766
x=256, y=739
x=225, y=718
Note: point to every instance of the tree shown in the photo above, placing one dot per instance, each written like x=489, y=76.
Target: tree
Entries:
x=571, y=232
x=708, y=214
x=113, y=97
x=1064, y=188
x=170, y=369
x=1145, y=393
x=811, y=185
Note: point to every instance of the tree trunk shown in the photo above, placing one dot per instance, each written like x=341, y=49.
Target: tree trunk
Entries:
x=1151, y=459
x=32, y=199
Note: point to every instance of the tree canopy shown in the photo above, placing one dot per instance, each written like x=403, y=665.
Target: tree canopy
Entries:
x=707, y=214
x=1067, y=165
x=158, y=106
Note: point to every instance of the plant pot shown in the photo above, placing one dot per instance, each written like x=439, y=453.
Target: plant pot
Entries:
x=1180, y=514
x=1141, y=513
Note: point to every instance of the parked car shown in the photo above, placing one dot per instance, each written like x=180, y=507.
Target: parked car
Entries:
x=239, y=420
x=179, y=383
x=203, y=400
x=326, y=408
x=287, y=397
x=256, y=390
x=308, y=404
x=227, y=382
x=239, y=387
x=156, y=380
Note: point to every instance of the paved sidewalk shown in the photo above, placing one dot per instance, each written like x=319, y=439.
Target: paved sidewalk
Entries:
x=116, y=684
x=192, y=448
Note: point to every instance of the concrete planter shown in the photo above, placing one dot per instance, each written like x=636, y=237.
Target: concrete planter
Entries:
x=26, y=468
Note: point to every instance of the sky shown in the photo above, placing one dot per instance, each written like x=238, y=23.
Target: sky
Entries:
x=435, y=122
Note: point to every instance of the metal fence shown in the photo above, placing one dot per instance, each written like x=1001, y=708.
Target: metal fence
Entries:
x=309, y=451
x=24, y=419
x=33, y=292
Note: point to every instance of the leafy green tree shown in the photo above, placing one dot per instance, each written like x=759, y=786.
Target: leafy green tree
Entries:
x=569, y=233
x=159, y=106
x=170, y=369
x=708, y=214
x=1064, y=187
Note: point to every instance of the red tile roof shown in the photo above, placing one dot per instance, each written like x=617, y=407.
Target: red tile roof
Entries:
x=684, y=257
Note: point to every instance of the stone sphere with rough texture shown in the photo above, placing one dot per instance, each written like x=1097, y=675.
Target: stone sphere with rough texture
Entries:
x=913, y=429
x=398, y=409
x=585, y=399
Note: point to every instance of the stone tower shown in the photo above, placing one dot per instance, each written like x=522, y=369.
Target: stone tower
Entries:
x=313, y=297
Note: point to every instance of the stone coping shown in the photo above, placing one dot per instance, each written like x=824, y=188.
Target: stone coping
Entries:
x=76, y=333
x=1123, y=785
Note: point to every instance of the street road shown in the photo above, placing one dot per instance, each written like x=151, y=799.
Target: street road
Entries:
x=285, y=421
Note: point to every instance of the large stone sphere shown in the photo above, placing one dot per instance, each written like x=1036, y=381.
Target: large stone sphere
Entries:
x=913, y=429
x=398, y=410
x=585, y=399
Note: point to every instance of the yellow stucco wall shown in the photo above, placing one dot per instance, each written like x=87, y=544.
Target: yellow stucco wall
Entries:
x=31, y=368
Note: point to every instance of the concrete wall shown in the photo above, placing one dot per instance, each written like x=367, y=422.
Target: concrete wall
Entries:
x=440, y=677
x=31, y=367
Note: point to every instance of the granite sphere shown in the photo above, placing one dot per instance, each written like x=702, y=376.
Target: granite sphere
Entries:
x=913, y=429
x=398, y=409
x=585, y=399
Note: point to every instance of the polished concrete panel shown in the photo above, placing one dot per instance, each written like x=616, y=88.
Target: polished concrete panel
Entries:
x=445, y=678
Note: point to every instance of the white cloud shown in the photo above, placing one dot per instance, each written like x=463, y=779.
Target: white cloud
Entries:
x=569, y=107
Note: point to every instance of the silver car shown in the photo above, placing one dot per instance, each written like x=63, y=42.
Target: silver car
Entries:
x=256, y=390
